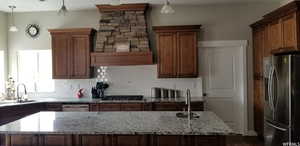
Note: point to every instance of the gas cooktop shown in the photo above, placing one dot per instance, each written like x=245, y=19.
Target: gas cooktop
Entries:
x=123, y=97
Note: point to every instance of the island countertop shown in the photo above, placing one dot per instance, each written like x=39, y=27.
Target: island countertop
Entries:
x=129, y=123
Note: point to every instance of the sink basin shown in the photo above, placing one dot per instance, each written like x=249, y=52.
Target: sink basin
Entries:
x=185, y=115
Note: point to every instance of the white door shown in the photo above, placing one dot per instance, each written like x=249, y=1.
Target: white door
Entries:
x=223, y=69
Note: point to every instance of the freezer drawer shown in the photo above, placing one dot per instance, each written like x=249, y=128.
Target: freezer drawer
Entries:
x=275, y=135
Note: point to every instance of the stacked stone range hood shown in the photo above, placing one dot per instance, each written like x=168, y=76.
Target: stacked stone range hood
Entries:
x=126, y=25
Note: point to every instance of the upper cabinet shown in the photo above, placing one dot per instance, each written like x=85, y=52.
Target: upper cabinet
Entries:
x=177, y=51
x=71, y=53
x=281, y=29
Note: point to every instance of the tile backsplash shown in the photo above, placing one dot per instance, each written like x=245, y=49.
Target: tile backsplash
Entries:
x=125, y=80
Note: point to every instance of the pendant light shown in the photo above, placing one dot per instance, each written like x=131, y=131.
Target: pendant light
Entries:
x=63, y=10
x=167, y=8
x=13, y=27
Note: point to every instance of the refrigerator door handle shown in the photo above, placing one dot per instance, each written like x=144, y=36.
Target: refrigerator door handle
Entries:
x=276, y=127
x=275, y=98
x=271, y=88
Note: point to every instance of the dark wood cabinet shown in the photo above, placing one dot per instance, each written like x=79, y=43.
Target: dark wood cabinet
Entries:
x=169, y=106
x=55, y=140
x=158, y=106
x=21, y=140
x=94, y=107
x=60, y=55
x=71, y=53
x=109, y=107
x=112, y=140
x=187, y=54
x=277, y=32
x=132, y=107
x=53, y=107
x=12, y=113
x=177, y=51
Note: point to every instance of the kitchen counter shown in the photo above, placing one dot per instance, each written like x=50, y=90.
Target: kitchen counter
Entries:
x=123, y=123
x=90, y=100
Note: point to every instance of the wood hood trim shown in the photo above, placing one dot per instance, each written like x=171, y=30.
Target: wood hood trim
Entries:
x=85, y=31
x=123, y=7
x=121, y=58
x=176, y=28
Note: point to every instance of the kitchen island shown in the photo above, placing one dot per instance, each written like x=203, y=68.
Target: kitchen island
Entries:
x=115, y=129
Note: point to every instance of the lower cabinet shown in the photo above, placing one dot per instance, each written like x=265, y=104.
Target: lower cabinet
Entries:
x=112, y=140
x=38, y=140
x=159, y=106
x=12, y=113
x=169, y=106
x=53, y=107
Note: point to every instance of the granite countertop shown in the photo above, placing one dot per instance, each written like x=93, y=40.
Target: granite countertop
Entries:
x=158, y=123
x=90, y=100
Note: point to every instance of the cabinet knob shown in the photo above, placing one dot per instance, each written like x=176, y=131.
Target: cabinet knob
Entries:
x=204, y=94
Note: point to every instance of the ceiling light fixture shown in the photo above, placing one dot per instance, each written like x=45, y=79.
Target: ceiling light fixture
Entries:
x=13, y=27
x=63, y=10
x=167, y=8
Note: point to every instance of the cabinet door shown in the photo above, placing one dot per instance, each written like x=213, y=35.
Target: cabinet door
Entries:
x=259, y=107
x=258, y=51
x=168, y=140
x=80, y=56
x=166, y=44
x=168, y=107
x=109, y=107
x=275, y=32
x=266, y=42
x=131, y=140
x=21, y=140
x=53, y=107
x=289, y=31
x=187, y=54
x=94, y=107
x=60, y=56
x=55, y=140
x=91, y=140
x=131, y=107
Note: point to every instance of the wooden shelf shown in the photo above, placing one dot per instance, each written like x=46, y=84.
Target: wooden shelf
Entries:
x=121, y=58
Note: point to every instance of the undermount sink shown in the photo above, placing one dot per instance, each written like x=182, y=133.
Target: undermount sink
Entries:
x=185, y=115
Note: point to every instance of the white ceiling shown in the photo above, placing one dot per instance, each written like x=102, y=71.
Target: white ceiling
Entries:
x=50, y=5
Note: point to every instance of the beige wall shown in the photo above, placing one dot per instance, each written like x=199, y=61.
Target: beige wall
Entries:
x=3, y=30
x=3, y=37
x=219, y=22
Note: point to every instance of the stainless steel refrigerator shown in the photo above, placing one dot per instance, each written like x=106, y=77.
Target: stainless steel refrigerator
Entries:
x=282, y=100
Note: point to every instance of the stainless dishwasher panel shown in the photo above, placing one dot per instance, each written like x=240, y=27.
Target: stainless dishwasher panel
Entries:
x=75, y=108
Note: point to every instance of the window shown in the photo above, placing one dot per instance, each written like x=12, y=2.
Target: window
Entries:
x=2, y=72
x=35, y=70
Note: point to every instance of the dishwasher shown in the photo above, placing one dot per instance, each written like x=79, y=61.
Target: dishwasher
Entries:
x=75, y=108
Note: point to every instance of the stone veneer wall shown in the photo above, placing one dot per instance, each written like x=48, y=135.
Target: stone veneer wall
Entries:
x=122, y=27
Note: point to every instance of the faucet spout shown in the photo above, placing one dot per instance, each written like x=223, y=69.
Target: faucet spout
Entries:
x=19, y=97
x=188, y=102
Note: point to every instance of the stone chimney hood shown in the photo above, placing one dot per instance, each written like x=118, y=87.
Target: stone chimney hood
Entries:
x=122, y=37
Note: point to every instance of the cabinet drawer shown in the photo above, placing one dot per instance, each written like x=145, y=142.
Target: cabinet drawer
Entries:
x=54, y=107
x=109, y=107
x=132, y=107
x=167, y=107
x=94, y=107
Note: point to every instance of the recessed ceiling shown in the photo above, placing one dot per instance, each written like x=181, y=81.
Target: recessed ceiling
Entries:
x=53, y=5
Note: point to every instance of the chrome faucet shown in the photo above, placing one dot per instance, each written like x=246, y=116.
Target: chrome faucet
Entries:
x=188, y=102
x=20, y=98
